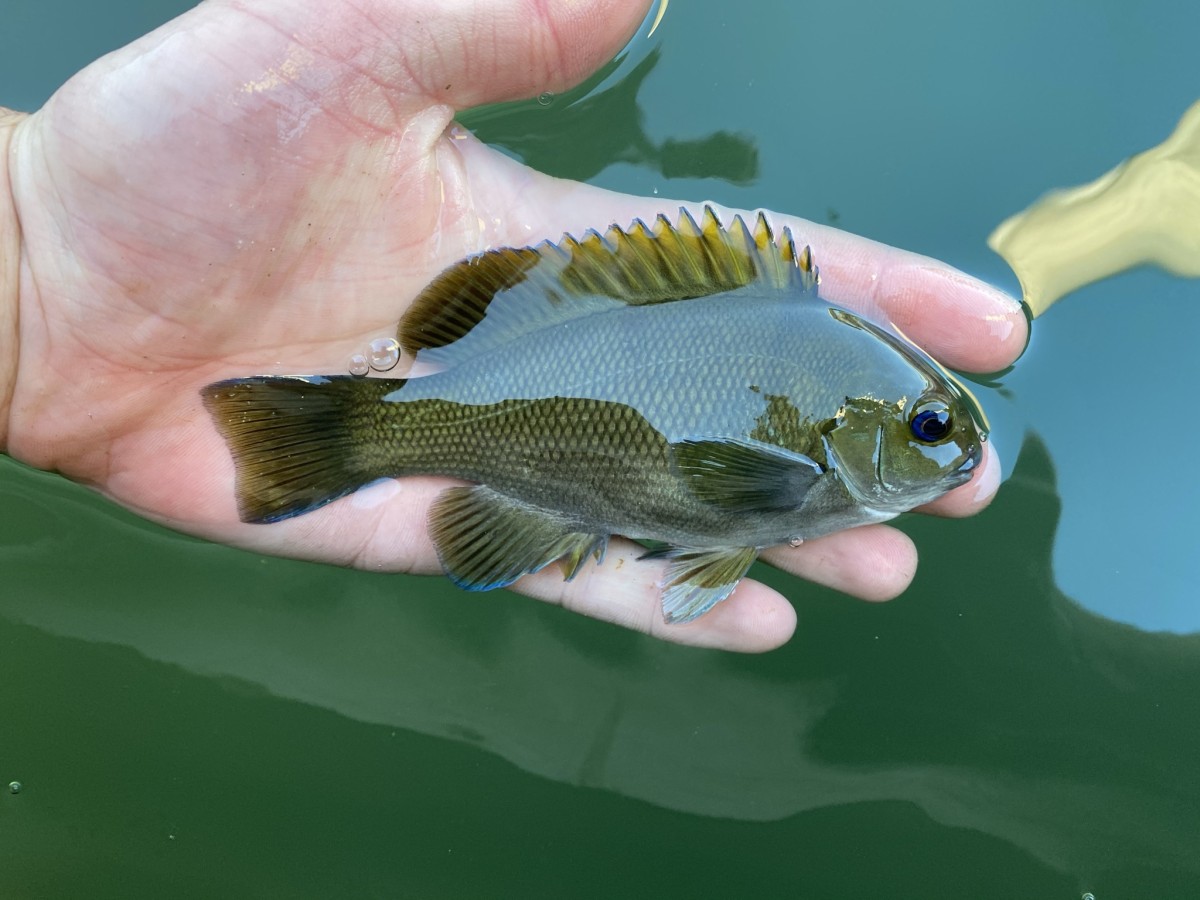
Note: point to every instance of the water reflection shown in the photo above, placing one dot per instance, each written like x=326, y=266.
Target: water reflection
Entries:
x=1054, y=721
x=1145, y=211
x=563, y=138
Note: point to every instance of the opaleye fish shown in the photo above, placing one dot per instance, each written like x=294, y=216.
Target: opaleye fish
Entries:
x=682, y=385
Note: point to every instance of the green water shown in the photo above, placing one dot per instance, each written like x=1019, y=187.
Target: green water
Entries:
x=188, y=720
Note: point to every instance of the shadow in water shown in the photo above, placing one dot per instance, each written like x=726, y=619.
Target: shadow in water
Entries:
x=562, y=137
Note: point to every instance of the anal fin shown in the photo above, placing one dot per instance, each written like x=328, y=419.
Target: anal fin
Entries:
x=486, y=539
x=697, y=580
x=573, y=560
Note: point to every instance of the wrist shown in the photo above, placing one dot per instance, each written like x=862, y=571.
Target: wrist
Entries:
x=10, y=252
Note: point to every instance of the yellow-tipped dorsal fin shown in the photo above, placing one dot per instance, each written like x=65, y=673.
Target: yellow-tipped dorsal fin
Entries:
x=488, y=300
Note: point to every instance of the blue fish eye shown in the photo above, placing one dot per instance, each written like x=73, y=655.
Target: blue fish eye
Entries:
x=931, y=422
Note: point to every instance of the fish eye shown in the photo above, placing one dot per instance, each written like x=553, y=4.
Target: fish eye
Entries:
x=931, y=421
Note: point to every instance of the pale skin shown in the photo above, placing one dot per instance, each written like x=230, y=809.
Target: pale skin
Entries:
x=263, y=187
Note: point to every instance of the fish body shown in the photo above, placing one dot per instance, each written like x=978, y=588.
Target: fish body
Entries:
x=683, y=385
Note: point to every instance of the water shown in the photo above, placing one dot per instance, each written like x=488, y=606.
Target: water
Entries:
x=190, y=720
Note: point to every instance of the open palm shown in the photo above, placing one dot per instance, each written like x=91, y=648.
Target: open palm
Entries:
x=263, y=188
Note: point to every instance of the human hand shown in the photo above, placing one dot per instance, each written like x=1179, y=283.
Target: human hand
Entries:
x=264, y=190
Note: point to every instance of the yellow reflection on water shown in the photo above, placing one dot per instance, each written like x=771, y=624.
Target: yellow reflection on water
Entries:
x=1146, y=210
x=662, y=11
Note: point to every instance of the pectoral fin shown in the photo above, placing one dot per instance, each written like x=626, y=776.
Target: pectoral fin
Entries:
x=487, y=540
x=697, y=580
x=738, y=476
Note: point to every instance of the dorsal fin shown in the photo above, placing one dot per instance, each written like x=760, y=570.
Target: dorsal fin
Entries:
x=556, y=282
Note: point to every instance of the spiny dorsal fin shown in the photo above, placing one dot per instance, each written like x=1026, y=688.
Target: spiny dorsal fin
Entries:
x=555, y=282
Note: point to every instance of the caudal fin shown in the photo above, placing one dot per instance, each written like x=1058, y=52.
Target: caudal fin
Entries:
x=298, y=443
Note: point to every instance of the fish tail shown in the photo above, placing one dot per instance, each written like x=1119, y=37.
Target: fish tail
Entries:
x=298, y=443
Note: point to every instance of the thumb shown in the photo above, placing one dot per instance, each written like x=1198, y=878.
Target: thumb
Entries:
x=488, y=51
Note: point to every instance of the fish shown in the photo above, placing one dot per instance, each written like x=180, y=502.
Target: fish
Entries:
x=682, y=384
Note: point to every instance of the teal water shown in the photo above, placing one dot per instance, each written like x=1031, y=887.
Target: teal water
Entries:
x=188, y=720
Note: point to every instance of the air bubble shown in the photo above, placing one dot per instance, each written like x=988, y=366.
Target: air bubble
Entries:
x=545, y=98
x=14, y=787
x=359, y=365
x=383, y=354
x=795, y=542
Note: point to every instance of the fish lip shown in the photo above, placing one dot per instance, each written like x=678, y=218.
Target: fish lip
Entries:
x=968, y=466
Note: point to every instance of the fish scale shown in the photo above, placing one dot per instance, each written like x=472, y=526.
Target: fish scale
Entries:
x=799, y=351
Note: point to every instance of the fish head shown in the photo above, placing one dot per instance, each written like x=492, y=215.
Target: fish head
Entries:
x=895, y=455
x=917, y=433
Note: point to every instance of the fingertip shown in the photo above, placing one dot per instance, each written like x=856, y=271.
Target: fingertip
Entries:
x=964, y=322
x=871, y=562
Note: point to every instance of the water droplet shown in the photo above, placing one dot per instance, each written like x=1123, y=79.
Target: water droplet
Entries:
x=545, y=98
x=384, y=353
x=795, y=542
x=14, y=787
x=359, y=365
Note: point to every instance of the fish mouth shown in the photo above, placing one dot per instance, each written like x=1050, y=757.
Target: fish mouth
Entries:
x=967, y=467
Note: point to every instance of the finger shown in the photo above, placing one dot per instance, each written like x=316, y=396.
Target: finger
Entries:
x=381, y=528
x=970, y=498
x=626, y=591
x=961, y=321
x=875, y=562
x=468, y=54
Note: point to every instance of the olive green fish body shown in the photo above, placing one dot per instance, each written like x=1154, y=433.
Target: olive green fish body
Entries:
x=684, y=386
x=606, y=397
